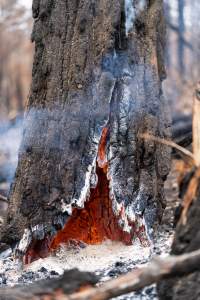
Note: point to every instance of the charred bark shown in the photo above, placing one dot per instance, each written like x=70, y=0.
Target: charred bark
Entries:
x=97, y=64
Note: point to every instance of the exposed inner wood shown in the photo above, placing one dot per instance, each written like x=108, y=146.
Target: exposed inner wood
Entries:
x=96, y=222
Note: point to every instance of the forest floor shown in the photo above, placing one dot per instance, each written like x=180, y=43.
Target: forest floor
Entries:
x=108, y=260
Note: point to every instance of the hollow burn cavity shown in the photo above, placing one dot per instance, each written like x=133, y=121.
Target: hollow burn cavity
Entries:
x=94, y=223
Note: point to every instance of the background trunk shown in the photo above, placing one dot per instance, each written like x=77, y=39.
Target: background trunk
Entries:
x=181, y=27
x=97, y=64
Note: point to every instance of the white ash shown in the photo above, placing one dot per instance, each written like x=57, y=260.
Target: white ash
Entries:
x=86, y=189
x=118, y=208
x=66, y=207
x=25, y=241
x=90, y=258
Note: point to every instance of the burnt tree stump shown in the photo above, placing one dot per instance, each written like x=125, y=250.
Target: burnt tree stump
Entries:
x=96, y=86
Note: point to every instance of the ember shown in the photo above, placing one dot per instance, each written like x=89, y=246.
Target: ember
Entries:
x=96, y=222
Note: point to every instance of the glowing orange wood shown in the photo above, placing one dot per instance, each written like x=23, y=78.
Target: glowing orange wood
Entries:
x=96, y=222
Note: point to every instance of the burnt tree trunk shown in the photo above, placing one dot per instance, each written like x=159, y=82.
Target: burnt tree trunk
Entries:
x=97, y=76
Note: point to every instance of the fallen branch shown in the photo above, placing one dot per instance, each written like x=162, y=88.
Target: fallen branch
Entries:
x=171, y=144
x=157, y=270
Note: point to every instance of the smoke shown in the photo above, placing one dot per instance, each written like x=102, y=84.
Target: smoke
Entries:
x=11, y=135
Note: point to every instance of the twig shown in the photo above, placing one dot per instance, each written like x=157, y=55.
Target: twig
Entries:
x=171, y=144
x=156, y=271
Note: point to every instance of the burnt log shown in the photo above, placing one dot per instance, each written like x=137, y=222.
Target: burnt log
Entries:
x=96, y=86
x=72, y=281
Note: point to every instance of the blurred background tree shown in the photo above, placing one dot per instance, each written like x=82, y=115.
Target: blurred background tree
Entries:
x=16, y=53
x=182, y=53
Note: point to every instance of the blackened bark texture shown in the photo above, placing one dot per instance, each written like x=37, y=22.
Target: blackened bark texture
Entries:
x=97, y=63
x=187, y=239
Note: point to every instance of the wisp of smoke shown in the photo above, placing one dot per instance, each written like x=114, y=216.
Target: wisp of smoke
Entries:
x=11, y=135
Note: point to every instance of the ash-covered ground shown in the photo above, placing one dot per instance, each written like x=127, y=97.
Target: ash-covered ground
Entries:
x=108, y=260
